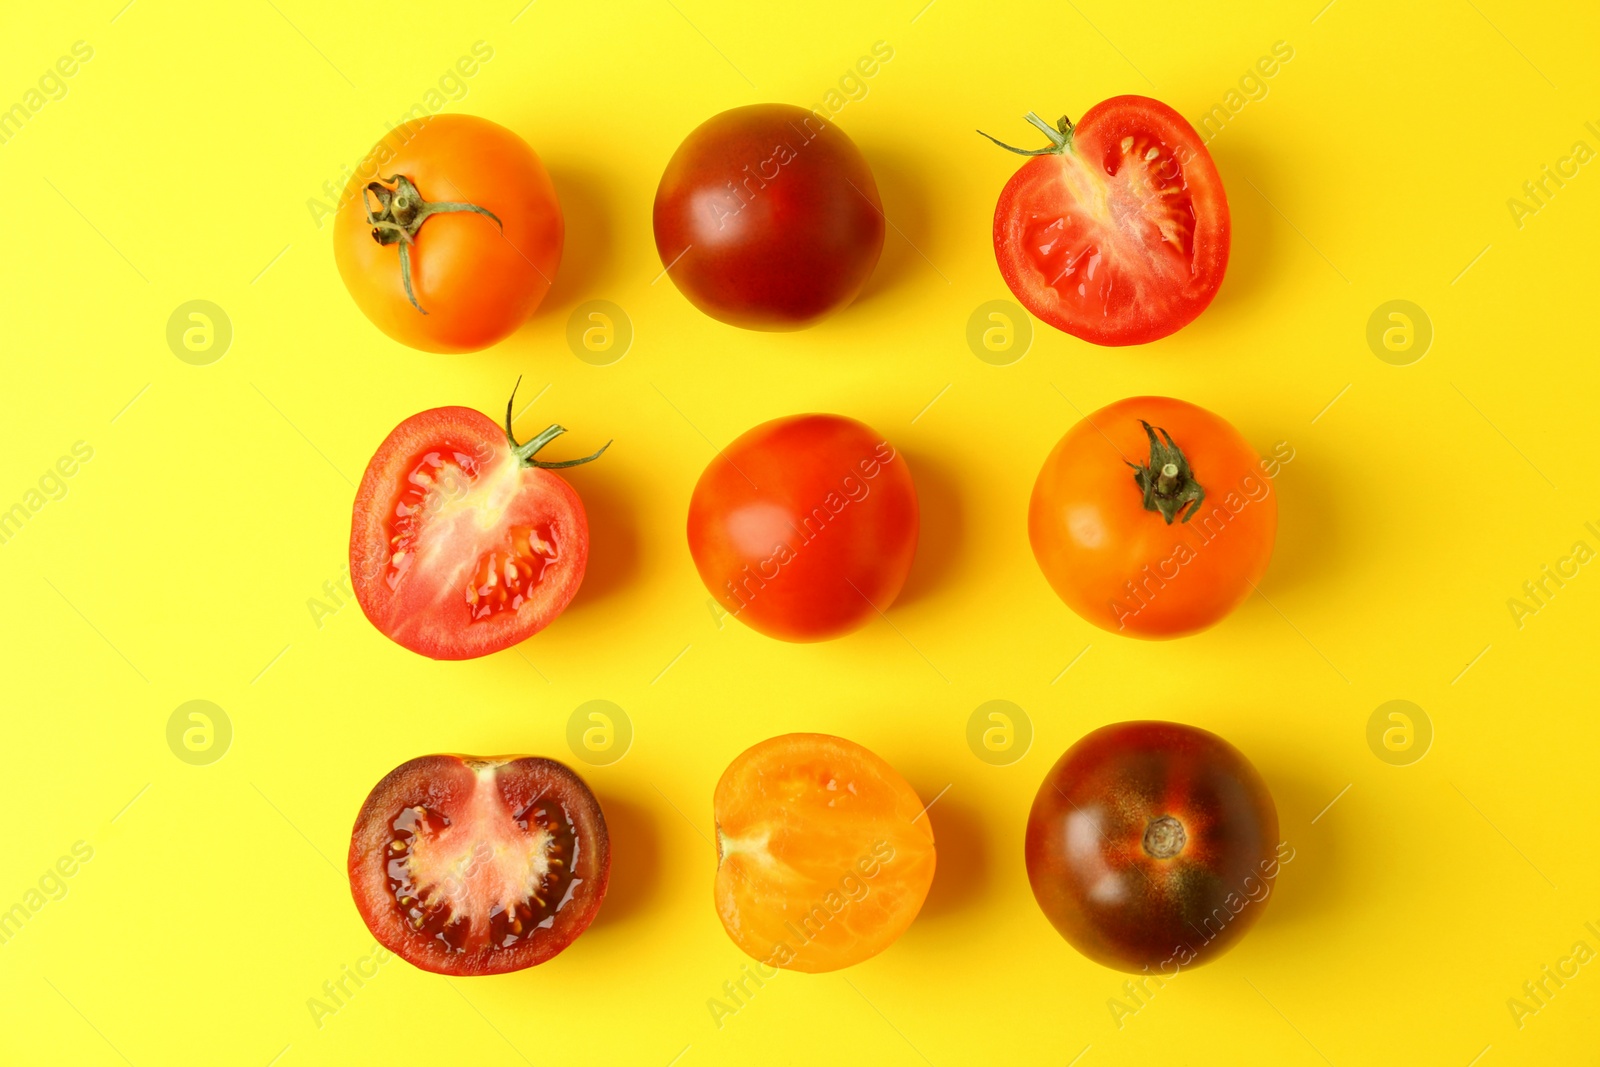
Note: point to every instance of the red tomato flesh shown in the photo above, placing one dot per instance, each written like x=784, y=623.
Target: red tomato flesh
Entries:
x=457, y=549
x=1120, y=235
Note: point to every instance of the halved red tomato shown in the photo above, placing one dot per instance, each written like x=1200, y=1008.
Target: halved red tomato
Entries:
x=479, y=865
x=1117, y=231
x=462, y=543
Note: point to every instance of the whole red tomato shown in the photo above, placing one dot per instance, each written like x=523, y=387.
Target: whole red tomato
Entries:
x=768, y=218
x=1153, y=846
x=479, y=865
x=805, y=527
x=1153, y=517
x=455, y=243
x=462, y=541
x=1117, y=231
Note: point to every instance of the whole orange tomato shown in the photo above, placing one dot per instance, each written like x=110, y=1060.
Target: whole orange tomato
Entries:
x=1153, y=517
x=455, y=242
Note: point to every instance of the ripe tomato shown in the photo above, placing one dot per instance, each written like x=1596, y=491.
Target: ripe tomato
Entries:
x=824, y=853
x=479, y=865
x=1118, y=231
x=1153, y=845
x=805, y=527
x=1166, y=549
x=768, y=218
x=463, y=268
x=461, y=542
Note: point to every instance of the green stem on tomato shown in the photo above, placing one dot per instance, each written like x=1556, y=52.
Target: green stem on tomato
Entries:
x=400, y=215
x=1166, y=481
x=1060, y=137
x=524, y=451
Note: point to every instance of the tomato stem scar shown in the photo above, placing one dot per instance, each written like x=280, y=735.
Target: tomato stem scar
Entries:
x=1166, y=481
x=400, y=213
x=1164, y=837
x=524, y=451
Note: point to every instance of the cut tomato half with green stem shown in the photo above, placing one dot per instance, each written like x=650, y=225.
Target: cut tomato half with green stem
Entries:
x=462, y=542
x=1117, y=231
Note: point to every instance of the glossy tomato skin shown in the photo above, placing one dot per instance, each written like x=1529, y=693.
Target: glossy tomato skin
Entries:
x=1124, y=568
x=467, y=865
x=1108, y=242
x=768, y=218
x=477, y=282
x=824, y=852
x=1114, y=877
x=804, y=528
x=445, y=492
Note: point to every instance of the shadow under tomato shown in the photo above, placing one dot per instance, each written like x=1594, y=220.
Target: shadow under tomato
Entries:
x=1306, y=547
x=906, y=228
x=587, y=254
x=939, y=537
x=635, y=859
x=961, y=841
x=1251, y=258
x=1311, y=882
x=613, y=534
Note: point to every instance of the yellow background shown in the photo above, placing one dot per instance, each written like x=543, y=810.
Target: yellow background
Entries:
x=180, y=563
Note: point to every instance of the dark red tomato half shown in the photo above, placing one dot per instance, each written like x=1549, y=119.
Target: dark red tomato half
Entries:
x=461, y=542
x=767, y=217
x=805, y=527
x=1118, y=231
x=1153, y=846
x=479, y=865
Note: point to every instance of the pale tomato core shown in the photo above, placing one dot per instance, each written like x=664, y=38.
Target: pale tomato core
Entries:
x=447, y=493
x=487, y=878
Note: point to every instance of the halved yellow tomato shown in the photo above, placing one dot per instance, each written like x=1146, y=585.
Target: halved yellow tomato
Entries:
x=824, y=853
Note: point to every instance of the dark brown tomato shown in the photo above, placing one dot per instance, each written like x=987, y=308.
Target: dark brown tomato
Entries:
x=479, y=865
x=1153, y=846
x=767, y=217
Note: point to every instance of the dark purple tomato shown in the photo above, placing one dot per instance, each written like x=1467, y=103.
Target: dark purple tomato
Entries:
x=768, y=218
x=1153, y=846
